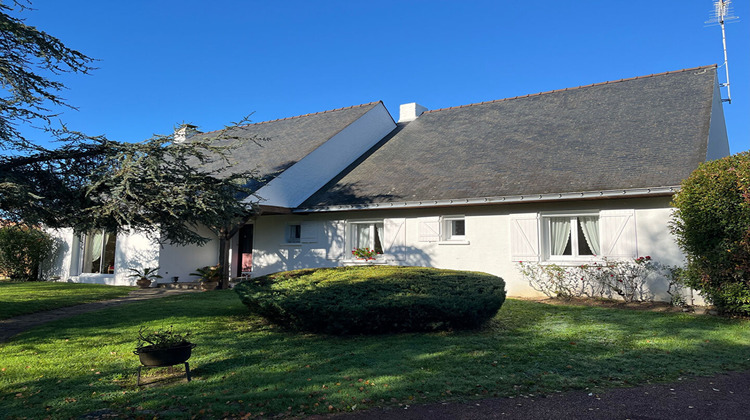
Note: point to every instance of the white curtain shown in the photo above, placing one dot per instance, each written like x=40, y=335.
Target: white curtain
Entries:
x=95, y=250
x=379, y=232
x=590, y=227
x=559, y=234
x=362, y=235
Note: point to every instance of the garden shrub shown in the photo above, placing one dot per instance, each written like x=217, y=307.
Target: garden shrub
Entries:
x=374, y=299
x=625, y=279
x=22, y=250
x=712, y=225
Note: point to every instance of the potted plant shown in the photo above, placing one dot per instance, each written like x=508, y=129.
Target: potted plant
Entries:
x=145, y=276
x=209, y=276
x=163, y=347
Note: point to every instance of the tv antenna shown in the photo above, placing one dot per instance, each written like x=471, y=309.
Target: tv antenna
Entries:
x=722, y=13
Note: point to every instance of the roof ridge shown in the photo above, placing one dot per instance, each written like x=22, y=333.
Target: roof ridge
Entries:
x=314, y=113
x=300, y=116
x=573, y=88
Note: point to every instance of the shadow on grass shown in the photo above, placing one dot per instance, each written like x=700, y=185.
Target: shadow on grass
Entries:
x=243, y=365
x=22, y=298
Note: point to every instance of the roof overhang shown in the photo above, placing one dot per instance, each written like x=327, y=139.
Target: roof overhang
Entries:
x=510, y=199
x=264, y=209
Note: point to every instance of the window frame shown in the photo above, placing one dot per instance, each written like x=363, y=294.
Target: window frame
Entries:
x=546, y=240
x=84, y=266
x=446, y=226
x=351, y=235
x=293, y=234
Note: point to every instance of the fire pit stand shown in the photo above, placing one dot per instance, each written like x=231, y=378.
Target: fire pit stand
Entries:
x=187, y=370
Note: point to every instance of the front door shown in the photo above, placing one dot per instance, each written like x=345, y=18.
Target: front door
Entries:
x=245, y=251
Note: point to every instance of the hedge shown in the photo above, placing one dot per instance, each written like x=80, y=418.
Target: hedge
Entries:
x=374, y=299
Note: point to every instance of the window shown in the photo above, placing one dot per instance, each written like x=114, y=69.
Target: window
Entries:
x=454, y=228
x=99, y=252
x=366, y=235
x=293, y=234
x=572, y=237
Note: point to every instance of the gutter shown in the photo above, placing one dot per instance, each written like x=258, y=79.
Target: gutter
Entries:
x=632, y=192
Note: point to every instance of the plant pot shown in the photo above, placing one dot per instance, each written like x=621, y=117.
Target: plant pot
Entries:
x=169, y=356
x=209, y=285
x=143, y=283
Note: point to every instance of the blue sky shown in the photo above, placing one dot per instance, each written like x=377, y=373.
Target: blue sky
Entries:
x=211, y=63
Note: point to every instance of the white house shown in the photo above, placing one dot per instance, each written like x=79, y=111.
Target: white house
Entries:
x=302, y=154
x=565, y=176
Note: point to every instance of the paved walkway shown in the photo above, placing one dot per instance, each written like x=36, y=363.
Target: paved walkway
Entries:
x=12, y=326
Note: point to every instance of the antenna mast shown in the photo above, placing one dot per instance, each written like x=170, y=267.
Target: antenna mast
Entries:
x=723, y=12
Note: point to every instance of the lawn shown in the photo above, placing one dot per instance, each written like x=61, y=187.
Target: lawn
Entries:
x=28, y=297
x=243, y=366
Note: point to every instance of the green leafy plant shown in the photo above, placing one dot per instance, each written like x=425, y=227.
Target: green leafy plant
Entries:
x=676, y=287
x=208, y=274
x=23, y=249
x=161, y=339
x=365, y=253
x=374, y=299
x=147, y=273
x=712, y=226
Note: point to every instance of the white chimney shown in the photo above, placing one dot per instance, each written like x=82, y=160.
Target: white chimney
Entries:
x=184, y=132
x=410, y=112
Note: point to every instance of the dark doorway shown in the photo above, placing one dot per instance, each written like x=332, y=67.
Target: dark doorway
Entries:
x=245, y=251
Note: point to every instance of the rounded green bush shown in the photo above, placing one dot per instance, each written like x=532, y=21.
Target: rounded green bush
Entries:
x=374, y=299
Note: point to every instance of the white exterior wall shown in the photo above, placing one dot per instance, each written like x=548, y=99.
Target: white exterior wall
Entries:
x=487, y=246
x=59, y=267
x=134, y=250
x=180, y=261
x=296, y=184
x=271, y=253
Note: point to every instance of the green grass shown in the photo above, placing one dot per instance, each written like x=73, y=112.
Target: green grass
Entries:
x=29, y=297
x=241, y=365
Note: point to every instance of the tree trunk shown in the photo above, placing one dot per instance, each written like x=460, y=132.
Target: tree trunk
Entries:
x=225, y=235
x=224, y=264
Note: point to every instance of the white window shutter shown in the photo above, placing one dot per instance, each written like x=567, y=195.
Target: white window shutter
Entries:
x=395, y=238
x=618, y=233
x=333, y=233
x=429, y=229
x=309, y=232
x=524, y=237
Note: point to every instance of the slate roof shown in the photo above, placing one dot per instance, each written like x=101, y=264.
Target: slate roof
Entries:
x=285, y=141
x=648, y=131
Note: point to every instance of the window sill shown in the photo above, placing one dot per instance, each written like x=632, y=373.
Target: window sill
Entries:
x=290, y=244
x=95, y=275
x=462, y=242
x=575, y=262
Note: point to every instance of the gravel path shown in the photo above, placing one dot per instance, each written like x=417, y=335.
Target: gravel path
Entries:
x=725, y=396
x=12, y=326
